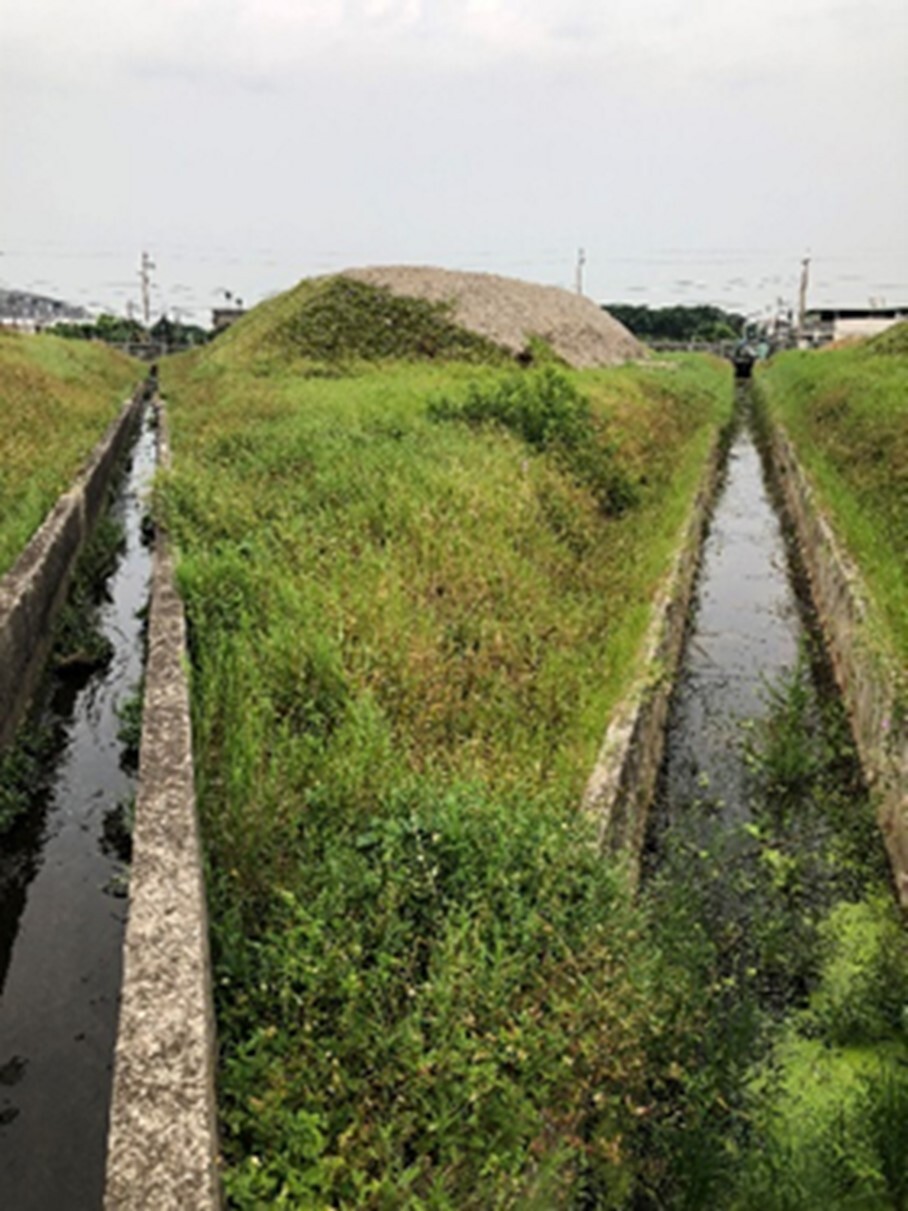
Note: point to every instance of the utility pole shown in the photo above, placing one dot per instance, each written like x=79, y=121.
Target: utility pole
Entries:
x=802, y=296
x=581, y=261
x=145, y=275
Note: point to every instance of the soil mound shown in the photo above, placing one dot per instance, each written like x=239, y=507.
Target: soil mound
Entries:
x=339, y=319
x=509, y=312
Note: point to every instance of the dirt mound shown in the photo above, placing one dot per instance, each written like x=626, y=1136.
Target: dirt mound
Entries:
x=339, y=319
x=510, y=313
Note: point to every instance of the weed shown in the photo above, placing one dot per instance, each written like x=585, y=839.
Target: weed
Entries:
x=343, y=320
x=79, y=644
x=782, y=943
x=846, y=412
x=23, y=767
x=406, y=637
x=129, y=733
x=547, y=411
x=56, y=397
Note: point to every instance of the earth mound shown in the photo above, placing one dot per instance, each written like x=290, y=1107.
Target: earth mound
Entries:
x=510, y=313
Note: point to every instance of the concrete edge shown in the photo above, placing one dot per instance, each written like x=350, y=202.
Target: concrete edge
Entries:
x=873, y=687
x=621, y=786
x=162, y=1147
x=34, y=589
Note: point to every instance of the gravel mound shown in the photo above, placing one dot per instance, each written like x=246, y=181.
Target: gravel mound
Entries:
x=510, y=312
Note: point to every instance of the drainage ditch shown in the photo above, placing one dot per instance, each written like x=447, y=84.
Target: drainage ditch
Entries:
x=763, y=865
x=63, y=879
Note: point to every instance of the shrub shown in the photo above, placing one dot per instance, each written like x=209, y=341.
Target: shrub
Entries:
x=545, y=410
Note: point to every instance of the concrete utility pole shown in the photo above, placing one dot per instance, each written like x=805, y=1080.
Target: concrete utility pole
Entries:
x=581, y=261
x=145, y=275
x=802, y=295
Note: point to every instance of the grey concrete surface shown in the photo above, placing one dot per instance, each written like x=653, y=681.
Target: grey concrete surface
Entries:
x=620, y=789
x=162, y=1145
x=873, y=684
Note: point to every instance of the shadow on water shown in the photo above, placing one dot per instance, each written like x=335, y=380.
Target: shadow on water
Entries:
x=62, y=901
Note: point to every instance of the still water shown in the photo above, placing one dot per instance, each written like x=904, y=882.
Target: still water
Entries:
x=63, y=908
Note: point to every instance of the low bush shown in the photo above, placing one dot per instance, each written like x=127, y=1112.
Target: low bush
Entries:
x=406, y=637
x=548, y=412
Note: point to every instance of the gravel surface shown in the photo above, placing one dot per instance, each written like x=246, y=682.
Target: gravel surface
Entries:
x=509, y=311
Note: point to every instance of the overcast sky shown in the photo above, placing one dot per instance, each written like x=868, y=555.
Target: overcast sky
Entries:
x=696, y=149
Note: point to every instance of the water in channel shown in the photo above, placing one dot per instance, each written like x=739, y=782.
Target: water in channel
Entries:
x=747, y=628
x=63, y=908
x=761, y=827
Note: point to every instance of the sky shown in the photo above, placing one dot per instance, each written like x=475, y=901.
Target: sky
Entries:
x=696, y=150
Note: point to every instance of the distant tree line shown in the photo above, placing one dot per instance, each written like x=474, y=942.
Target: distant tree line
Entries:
x=702, y=323
x=116, y=330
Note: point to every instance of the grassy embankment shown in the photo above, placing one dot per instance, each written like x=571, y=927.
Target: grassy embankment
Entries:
x=56, y=399
x=415, y=592
x=407, y=630
x=846, y=411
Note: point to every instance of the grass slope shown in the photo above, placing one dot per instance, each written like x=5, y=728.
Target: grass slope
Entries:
x=410, y=616
x=326, y=325
x=56, y=398
x=846, y=410
x=414, y=595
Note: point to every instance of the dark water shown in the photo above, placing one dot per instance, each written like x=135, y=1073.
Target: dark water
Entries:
x=62, y=912
x=747, y=627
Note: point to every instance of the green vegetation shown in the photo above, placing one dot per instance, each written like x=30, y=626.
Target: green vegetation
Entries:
x=700, y=323
x=894, y=341
x=56, y=398
x=782, y=943
x=550, y=414
x=412, y=605
x=113, y=329
x=336, y=322
x=23, y=766
x=846, y=411
x=129, y=732
x=79, y=644
x=116, y=330
x=409, y=619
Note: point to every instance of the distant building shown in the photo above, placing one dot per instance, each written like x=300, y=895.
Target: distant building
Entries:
x=22, y=311
x=841, y=323
x=223, y=317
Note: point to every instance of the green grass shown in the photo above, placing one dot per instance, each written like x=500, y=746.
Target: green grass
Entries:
x=411, y=610
x=326, y=326
x=408, y=627
x=56, y=399
x=846, y=411
x=782, y=943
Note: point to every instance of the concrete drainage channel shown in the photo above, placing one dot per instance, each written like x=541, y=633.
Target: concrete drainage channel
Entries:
x=748, y=614
x=62, y=911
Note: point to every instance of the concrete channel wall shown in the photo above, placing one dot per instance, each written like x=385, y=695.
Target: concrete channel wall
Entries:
x=873, y=686
x=34, y=589
x=621, y=787
x=162, y=1144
